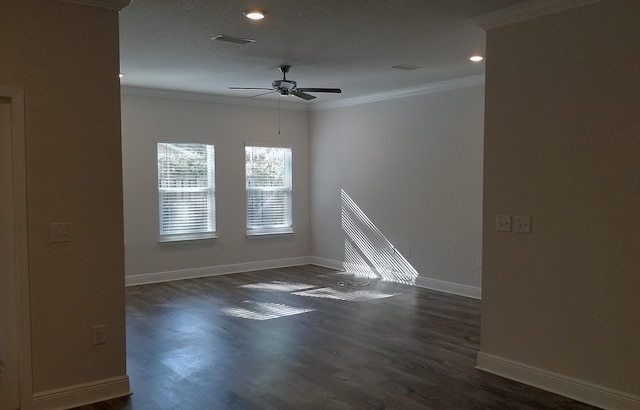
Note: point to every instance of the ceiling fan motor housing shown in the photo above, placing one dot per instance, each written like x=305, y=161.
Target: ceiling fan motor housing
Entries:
x=284, y=84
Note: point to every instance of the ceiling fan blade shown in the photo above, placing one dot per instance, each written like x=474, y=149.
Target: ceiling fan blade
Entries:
x=302, y=95
x=258, y=95
x=321, y=90
x=249, y=88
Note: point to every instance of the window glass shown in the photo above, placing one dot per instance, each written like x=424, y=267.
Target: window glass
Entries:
x=186, y=187
x=268, y=183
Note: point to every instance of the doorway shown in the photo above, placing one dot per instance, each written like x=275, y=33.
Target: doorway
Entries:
x=13, y=251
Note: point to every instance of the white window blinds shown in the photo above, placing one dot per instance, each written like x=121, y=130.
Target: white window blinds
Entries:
x=268, y=182
x=186, y=191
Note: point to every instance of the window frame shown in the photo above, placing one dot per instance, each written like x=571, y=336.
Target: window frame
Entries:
x=278, y=229
x=210, y=189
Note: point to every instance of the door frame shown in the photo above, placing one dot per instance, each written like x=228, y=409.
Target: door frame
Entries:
x=19, y=177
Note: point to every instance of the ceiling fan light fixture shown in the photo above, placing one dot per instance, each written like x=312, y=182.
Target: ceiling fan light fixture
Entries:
x=254, y=14
x=476, y=58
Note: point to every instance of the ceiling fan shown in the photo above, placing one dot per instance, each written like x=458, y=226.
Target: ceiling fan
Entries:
x=289, y=87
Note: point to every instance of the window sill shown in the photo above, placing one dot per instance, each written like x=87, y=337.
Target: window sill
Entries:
x=169, y=239
x=261, y=234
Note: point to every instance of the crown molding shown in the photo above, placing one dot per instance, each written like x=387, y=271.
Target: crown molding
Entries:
x=447, y=85
x=103, y=4
x=526, y=11
x=454, y=84
x=211, y=98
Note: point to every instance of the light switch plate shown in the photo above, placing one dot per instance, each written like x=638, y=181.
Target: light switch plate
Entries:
x=60, y=232
x=522, y=224
x=503, y=223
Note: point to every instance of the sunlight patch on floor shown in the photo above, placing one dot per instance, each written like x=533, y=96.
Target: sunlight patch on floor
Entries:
x=263, y=310
x=351, y=295
x=277, y=286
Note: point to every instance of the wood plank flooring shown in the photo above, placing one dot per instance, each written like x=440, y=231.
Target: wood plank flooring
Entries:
x=293, y=338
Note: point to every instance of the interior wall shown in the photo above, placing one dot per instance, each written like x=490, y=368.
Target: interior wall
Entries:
x=148, y=120
x=562, y=145
x=413, y=165
x=65, y=57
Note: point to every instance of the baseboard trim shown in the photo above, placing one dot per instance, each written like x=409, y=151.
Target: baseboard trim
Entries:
x=82, y=394
x=156, y=277
x=326, y=263
x=573, y=388
x=421, y=281
x=449, y=287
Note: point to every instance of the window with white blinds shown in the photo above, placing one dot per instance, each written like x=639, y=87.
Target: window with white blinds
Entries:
x=186, y=187
x=268, y=182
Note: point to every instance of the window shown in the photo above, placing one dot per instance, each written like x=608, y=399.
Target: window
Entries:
x=268, y=181
x=186, y=191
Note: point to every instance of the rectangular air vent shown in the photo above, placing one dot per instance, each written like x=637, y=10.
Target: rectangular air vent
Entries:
x=231, y=39
x=405, y=67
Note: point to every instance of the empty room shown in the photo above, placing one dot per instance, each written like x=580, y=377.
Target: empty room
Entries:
x=320, y=204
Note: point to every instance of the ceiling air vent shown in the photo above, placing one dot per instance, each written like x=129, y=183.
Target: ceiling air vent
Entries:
x=405, y=67
x=231, y=39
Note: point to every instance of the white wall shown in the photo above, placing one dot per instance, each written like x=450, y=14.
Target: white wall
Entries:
x=65, y=57
x=560, y=307
x=147, y=120
x=414, y=166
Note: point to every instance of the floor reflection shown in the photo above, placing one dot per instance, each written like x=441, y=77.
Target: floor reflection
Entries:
x=263, y=310
x=351, y=295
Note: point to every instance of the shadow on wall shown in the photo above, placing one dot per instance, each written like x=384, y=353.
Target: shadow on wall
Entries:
x=367, y=252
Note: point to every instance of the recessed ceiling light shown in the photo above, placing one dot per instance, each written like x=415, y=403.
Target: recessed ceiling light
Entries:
x=476, y=59
x=254, y=14
x=121, y=75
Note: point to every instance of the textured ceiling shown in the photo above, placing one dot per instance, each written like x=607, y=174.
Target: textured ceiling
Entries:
x=347, y=44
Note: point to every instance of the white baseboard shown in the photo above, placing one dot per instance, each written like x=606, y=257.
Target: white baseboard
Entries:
x=326, y=263
x=82, y=394
x=168, y=276
x=449, y=287
x=421, y=281
x=156, y=277
x=576, y=389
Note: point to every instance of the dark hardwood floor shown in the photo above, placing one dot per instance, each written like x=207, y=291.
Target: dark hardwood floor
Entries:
x=293, y=338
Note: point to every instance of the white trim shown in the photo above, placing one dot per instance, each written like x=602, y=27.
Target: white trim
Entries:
x=18, y=169
x=436, y=87
x=576, y=389
x=449, y=287
x=447, y=85
x=187, y=96
x=527, y=11
x=103, y=4
x=326, y=263
x=421, y=281
x=146, y=278
x=82, y=394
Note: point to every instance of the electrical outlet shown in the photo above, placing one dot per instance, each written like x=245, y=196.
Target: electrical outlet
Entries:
x=223, y=244
x=479, y=262
x=99, y=334
x=503, y=223
x=60, y=232
x=522, y=224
